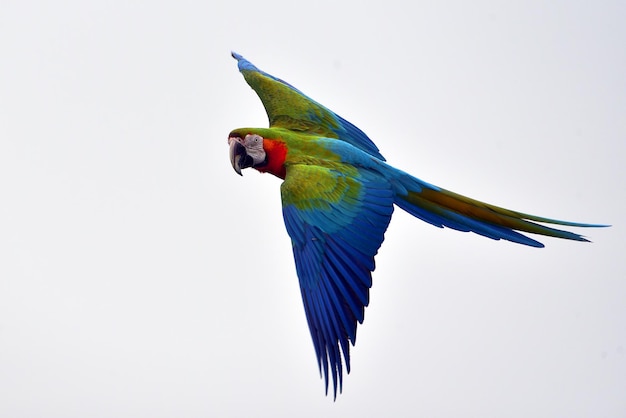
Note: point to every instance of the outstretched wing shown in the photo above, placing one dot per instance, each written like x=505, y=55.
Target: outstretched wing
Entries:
x=336, y=218
x=287, y=107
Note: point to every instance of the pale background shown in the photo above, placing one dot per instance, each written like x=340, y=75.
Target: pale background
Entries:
x=141, y=277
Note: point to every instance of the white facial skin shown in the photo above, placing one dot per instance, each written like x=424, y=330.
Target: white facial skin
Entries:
x=254, y=147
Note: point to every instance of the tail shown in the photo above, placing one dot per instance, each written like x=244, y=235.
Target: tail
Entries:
x=441, y=208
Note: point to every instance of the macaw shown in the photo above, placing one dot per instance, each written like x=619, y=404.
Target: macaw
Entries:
x=338, y=195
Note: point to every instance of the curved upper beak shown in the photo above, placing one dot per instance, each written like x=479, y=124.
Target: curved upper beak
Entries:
x=236, y=151
x=239, y=157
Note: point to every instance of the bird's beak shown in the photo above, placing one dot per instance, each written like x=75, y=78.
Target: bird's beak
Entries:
x=239, y=158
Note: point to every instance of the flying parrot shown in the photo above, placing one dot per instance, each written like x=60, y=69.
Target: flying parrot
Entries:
x=338, y=196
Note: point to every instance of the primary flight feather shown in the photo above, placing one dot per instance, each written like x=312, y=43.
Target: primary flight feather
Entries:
x=338, y=196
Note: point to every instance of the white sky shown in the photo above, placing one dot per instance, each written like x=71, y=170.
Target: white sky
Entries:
x=140, y=276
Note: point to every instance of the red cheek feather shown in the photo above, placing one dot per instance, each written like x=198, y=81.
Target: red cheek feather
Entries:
x=276, y=151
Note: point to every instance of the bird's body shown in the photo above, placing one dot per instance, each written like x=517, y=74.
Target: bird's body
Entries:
x=338, y=197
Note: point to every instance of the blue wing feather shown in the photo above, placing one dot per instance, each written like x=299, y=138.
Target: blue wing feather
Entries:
x=334, y=248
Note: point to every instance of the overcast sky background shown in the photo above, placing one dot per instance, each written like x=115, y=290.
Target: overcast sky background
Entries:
x=140, y=276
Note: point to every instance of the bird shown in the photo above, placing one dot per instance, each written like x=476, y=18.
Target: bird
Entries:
x=338, y=195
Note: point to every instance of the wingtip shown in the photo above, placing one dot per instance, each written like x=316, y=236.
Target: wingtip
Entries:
x=243, y=63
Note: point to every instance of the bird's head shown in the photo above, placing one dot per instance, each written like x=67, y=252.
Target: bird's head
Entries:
x=246, y=150
x=262, y=149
